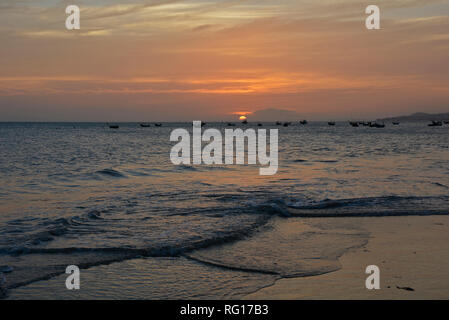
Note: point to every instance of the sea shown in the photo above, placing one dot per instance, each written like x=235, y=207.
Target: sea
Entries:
x=111, y=202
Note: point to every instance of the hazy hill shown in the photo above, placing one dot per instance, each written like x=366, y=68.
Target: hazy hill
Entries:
x=275, y=115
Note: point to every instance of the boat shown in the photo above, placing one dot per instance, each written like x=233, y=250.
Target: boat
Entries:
x=203, y=124
x=230, y=124
x=435, y=124
x=158, y=124
x=331, y=123
x=396, y=123
x=278, y=123
x=113, y=126
x=376, y=125
x=286, y=124
x=446, y=122
x=259, y=124
x=354, y=124
x=245, y=122
x=145, y=125
x=303, y=122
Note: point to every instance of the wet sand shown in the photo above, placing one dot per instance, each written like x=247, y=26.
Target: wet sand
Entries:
x=411, y=252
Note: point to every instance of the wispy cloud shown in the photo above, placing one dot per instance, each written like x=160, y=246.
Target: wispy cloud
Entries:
x=221, y=54
x=289, y=83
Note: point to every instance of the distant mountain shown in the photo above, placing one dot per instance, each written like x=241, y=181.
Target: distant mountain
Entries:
x=419, y=116
x=275, y=115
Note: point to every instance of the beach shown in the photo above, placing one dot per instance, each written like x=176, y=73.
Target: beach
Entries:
x=411, y=252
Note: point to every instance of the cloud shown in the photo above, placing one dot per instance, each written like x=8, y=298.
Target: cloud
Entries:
x=122, y=10
x=218, y=56
x=229, y=84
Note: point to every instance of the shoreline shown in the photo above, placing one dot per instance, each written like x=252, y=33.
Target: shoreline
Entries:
x=410, y=251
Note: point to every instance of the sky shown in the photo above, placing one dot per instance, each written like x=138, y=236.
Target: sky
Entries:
x=169, y=60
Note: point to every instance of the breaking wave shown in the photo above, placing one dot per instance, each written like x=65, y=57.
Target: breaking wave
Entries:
x=112, y=173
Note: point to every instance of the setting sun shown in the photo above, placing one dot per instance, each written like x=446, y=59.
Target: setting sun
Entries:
x=242, y=118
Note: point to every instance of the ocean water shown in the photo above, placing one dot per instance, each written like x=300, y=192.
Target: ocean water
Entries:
x=111, y=201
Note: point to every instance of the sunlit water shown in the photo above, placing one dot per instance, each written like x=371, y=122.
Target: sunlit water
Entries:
x=88, y=195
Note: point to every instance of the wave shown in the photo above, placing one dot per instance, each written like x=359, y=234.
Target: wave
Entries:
x=183, y=167
x=202, y=246
x=112, y=173
x=39, y=263
x=287, y=248
x=234, y=203
x=327, y=161
x=372, y=207
x=274, y=207
x=94, y=214
x=6, y=269
x=441, y=185
x=160, y=250
x=47, y=230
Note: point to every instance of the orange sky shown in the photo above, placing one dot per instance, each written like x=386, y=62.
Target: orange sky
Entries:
x=168, y=60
